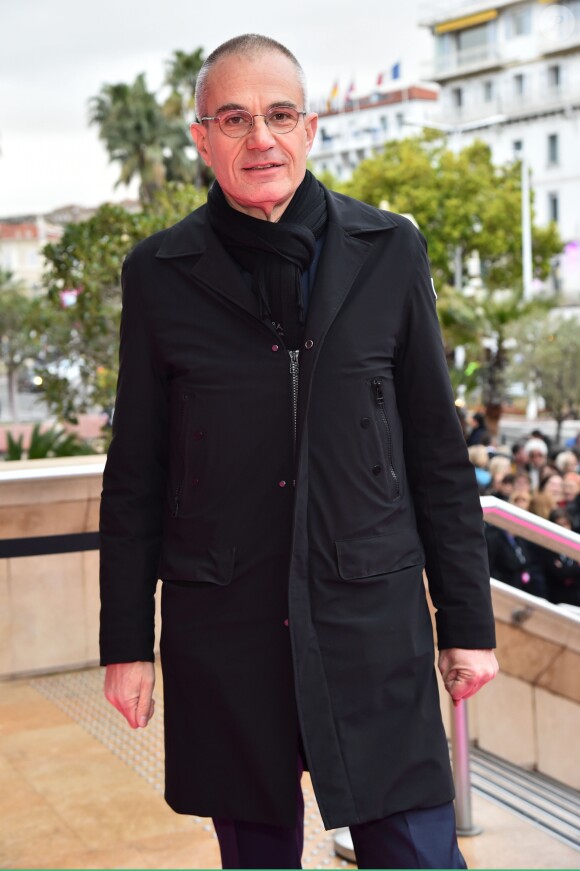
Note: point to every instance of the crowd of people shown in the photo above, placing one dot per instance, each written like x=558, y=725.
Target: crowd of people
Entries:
x=542, y=479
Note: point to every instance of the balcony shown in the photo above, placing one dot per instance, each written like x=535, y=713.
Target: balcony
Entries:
x=536, y=101
x=460, y=63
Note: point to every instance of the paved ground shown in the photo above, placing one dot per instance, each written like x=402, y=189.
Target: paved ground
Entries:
x=81, y=790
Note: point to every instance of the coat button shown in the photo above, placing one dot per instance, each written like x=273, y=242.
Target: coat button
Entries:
x=275, y=347
x=308, y=344
x=195, y=482
x=365, y=422
x=377, y=469
x=281, y=483
x=199, y=434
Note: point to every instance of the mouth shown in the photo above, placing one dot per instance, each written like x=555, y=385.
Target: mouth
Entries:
x=261, y=167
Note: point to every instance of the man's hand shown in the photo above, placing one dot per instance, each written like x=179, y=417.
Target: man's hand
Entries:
x=129, y=687
x=464, y=672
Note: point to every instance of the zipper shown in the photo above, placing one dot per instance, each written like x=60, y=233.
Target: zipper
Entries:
x=294, y=375
x=377, y=386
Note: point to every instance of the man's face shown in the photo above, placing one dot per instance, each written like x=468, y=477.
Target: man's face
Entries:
x=260, y=172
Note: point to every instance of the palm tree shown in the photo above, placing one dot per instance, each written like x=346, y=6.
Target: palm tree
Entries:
x=181, y=76
x=141, y=137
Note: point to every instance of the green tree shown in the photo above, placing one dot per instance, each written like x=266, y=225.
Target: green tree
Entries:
x=146, y=141
x=181, y=76
x=464, y=203
x=88, y=259
x=547, y=356
x=24, y=323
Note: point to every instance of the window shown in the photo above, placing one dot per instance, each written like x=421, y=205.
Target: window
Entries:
x=519, y=84
x=519, y=23
x=553, y=207
x=473, y=38
x=457, y=97
x=384, y=122
x=517, y=146
x=554, y=78
x=400, y=119
x=488, y=91
x=553, y=149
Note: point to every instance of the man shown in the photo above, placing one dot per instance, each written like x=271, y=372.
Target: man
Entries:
x=287, y=457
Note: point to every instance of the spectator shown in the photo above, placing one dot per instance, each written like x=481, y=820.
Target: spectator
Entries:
x=566, y=461
x=541, y=504
x=522, y=483
x=546, y=471
x=562, y=573
x=521, y=498
x=536, y=452
x=519, y=457
x=571, y=485
x=553, y=486
x=504, y=487
x=513, y=560
x=478, y=429
x=480, y=460
x=538, y=434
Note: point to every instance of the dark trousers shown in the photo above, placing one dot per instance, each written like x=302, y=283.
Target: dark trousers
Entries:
x=424, y=838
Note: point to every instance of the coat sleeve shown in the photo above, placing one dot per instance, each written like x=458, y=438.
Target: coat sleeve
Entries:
x=441, y=477
x=133, y=487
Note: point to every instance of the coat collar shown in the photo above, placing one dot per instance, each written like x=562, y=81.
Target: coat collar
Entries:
x=343, y=254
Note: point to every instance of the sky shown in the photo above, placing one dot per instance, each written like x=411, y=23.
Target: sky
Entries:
x=56, y=54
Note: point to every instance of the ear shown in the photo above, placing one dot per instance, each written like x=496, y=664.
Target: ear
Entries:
x=310, y=124
x=199, y=135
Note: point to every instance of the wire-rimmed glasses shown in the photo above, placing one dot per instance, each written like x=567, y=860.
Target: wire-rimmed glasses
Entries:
x=236, y=123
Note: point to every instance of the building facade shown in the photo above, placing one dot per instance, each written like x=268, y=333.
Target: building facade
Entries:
x=21, y=242
x=361, y=126
x=509, y=74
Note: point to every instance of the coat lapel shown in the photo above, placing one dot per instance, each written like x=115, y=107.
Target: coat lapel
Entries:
x=346, y=248
x=213, y=267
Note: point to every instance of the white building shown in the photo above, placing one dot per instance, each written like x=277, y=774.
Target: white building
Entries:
x=509, y=74
x=21, y=242
x=363, y=124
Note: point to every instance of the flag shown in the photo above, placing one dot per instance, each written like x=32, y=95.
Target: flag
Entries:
x=396, y=70
x=334, y=92
x=379, y=80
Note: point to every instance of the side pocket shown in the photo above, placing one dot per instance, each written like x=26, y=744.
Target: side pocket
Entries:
x=367, y=558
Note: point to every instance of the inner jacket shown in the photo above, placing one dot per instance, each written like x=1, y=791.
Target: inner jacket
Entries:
x=289, y=503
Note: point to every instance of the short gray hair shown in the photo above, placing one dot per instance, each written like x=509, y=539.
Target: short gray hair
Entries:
x=247, y=45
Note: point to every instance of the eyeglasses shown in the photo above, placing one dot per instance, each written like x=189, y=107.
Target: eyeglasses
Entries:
x=237, y=122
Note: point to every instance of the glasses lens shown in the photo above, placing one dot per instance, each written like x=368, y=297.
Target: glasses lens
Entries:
x=282, y=119
x=235, y=123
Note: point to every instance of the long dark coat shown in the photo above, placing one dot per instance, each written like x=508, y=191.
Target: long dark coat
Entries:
x=206, y=488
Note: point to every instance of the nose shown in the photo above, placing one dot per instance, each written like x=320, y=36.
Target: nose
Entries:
x=260, y=136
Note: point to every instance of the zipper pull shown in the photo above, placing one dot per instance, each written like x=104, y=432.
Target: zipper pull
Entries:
x=294, y=362
x=378, y=389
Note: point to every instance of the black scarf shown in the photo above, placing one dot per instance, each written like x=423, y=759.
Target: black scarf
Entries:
x=275, y=253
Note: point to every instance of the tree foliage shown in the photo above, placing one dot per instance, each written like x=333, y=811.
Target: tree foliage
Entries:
x=25, y=328
x=87, y=261
x=548, y=356
x=146, y=141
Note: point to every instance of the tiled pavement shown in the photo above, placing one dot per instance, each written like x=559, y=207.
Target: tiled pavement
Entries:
x=79, y=789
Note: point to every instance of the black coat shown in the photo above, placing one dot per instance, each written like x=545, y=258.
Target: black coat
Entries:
x=205, y=488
